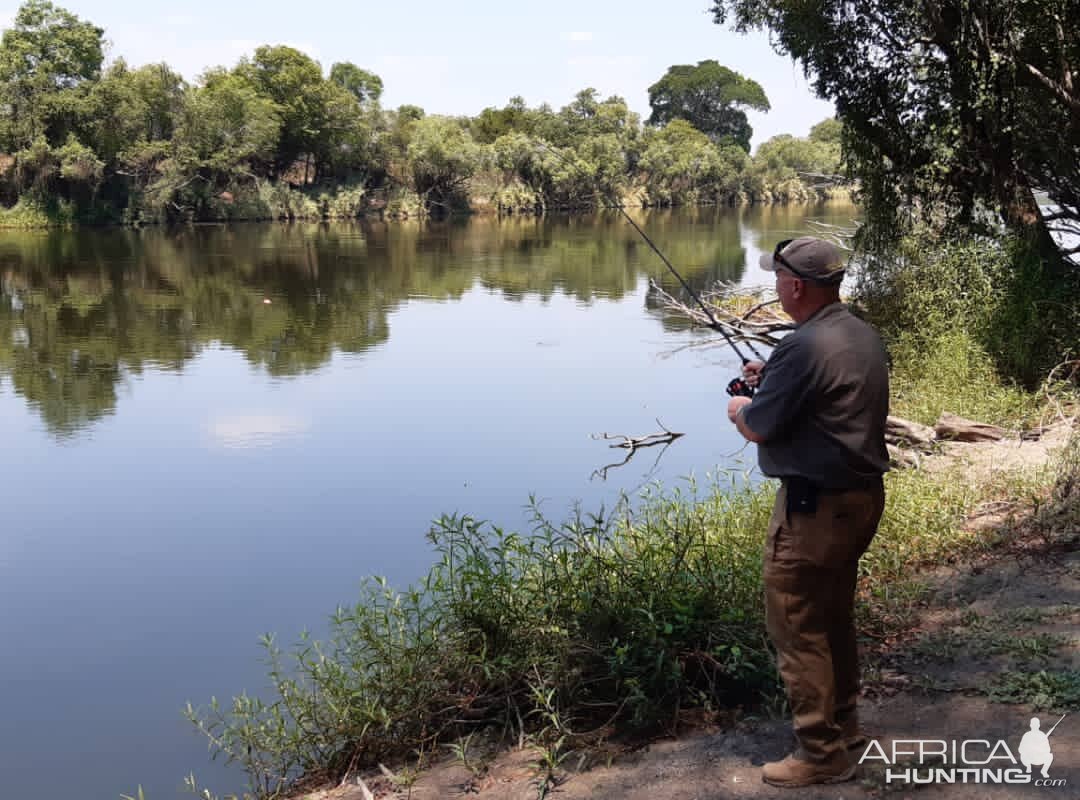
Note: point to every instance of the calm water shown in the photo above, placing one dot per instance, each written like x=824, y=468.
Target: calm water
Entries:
x=214, y=432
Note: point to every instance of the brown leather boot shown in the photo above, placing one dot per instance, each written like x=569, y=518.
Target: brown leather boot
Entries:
x=793, y=771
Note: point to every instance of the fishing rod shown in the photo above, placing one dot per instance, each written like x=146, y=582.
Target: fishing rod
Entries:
x=737, y=386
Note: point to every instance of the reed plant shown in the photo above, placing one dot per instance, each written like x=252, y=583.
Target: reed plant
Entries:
x=605, y=618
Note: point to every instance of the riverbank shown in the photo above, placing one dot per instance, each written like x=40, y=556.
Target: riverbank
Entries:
x=968, y=509
x=993, y=638
x=265, y=201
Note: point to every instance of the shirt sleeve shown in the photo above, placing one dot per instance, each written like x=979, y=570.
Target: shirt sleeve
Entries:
x=787, y=381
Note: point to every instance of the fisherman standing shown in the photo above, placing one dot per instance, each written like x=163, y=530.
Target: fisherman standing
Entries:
x=818, y=418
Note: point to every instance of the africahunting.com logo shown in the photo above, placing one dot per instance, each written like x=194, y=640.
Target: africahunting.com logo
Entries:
x=924, y=761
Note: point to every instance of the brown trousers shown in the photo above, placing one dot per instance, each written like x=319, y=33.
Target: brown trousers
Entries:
x=811, y=566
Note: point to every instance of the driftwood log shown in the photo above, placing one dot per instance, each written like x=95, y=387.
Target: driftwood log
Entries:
x=905, y=433
x=958, y=429
x=901, y=458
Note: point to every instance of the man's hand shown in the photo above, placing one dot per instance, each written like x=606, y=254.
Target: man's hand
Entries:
x=751, y=371
x=734, y=404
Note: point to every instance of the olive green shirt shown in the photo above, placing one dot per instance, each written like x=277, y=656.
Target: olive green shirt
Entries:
x=822, y=403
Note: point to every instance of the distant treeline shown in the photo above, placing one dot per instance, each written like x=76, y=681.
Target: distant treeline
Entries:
x=275, y=137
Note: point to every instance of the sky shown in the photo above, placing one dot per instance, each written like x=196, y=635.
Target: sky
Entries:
x=458, y=58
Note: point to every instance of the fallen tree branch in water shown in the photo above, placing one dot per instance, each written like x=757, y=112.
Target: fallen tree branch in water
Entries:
x=632, y=444
x=748, y=315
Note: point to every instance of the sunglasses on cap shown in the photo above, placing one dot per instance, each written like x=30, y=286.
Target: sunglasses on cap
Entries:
x=785, y=263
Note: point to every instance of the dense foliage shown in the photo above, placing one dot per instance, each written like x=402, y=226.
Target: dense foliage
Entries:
x=272, y=137
x=708, y=96
x=953, y=110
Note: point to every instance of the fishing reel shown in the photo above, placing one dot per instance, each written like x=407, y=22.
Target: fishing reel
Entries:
x=740, y=388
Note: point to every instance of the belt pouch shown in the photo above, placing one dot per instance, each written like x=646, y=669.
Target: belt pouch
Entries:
x=802, y=496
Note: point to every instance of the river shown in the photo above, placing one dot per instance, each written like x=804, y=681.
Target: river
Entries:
x=214, y=432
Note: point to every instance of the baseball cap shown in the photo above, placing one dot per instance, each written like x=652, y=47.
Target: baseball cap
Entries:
x=808, y=257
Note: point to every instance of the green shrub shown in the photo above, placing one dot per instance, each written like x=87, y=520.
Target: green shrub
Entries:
x=622, y=618
x=344, y=202
x=32, y=213
x=1022, y=310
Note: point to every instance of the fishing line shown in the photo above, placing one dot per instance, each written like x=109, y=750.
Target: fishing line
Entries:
x=738, y=385
x=713, y=322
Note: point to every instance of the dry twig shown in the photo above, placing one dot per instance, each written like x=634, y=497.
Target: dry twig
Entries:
x=748, y=315
x=632, y=444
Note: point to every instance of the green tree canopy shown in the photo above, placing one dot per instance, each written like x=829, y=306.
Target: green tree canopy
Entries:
x=294, y=82
x=45, y=56
x=441, y=157
x=492, y=123
x=949, y=107
x=128, y=108
x=365, y=86
x=588, y=116
x=683, y=165
x=710, y=97
x=226, y=124
x=788, y=168
x=828, y=131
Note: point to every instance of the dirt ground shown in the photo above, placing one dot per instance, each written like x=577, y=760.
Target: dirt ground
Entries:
x=992, y=632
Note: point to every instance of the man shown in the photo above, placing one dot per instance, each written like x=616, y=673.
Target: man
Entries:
x=1035, y=749
x=818, y=418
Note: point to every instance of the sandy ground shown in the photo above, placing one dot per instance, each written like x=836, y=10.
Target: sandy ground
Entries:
x=983, y=618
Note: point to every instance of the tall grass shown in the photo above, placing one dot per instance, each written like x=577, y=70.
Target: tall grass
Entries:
x=977, y=313
x=953, y=372
x=618, y=617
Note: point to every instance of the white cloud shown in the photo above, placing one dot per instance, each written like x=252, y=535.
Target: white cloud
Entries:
x=255, y=430
x=6, y=18
x=577, y=36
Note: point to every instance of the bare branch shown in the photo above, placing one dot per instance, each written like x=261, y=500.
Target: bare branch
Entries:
x=1056, y=88
x=634, y=443
x=726, y=302
x=759, y=306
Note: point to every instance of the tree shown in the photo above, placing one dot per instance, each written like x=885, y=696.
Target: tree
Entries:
x=45, y=58
x=682, y=165
x=952, y=107
x=828, y=131
x=365, y=86
x=710, y=97
x=225, y=125
x=495, y=122
x=441, y=157
x=294, y=83
x=587, y=116
x=789, y=168
x=129, y=107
